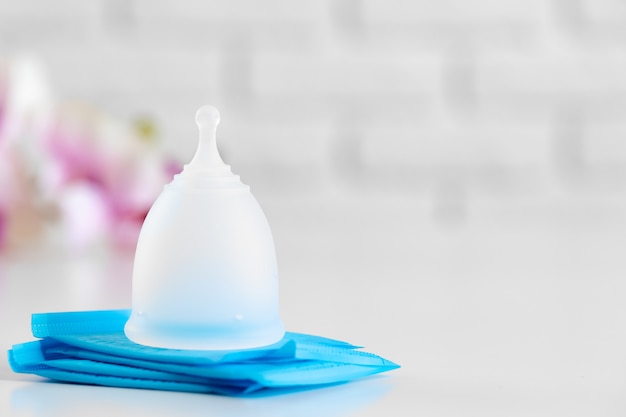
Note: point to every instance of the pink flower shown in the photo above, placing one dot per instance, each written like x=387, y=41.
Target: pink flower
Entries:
x=105, y=176
x=72, y=164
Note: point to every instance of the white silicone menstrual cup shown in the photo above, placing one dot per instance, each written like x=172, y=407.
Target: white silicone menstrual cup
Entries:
x=205, y=274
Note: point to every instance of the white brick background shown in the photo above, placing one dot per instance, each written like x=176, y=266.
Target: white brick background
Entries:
x=405, y=95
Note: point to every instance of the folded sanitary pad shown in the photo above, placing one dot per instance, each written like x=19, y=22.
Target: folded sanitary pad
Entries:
x=90, y=348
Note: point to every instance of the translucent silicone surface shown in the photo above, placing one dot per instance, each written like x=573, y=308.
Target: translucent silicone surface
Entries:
x=205, y=273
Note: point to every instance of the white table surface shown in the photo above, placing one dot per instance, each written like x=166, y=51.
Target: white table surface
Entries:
x=501, y=308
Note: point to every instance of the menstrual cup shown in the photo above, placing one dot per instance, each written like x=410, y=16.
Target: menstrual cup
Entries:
x=205, y=274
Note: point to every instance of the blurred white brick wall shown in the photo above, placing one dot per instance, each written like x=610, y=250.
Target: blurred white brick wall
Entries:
x=400, y=94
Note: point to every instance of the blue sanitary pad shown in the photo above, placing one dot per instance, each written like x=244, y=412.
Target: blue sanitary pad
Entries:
x=90, y=348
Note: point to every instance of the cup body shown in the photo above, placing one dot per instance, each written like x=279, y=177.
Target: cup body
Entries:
x=205, y=273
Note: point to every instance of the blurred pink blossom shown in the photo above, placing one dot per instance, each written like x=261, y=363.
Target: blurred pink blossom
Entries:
x=107, y=175
x=72, y=167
